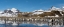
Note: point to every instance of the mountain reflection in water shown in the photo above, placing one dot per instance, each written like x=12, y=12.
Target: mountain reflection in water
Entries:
x=28, y=24
x=23, y=25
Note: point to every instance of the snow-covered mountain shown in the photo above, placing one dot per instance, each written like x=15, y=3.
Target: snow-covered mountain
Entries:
x=13, y=10
x=9, y=13
x=52, y=12
x=55, y=9
x=1, y=12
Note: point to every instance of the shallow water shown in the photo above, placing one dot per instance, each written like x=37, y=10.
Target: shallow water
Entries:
x=23, y=25
x=26, y=25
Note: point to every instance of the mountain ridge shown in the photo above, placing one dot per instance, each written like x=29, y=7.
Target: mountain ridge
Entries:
x=52, y=12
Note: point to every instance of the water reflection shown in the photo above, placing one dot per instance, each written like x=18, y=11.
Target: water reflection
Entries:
x=28, y=24
x=25, y=24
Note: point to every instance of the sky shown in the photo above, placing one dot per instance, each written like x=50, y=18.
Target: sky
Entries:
x=30, y=5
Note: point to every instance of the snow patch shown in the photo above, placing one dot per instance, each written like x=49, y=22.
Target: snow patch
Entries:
x=38, y=12
x=1, y=12
x=14, y=10
x=56, y=16
x=56, y=9
x=47, y=11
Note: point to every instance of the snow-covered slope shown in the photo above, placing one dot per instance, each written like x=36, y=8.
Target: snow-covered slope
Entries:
x=57, y=12
x=38, y=11
x=47, y=11
x=1, y=12
x=14, y=10
x=9, y=13
x=55, y=9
